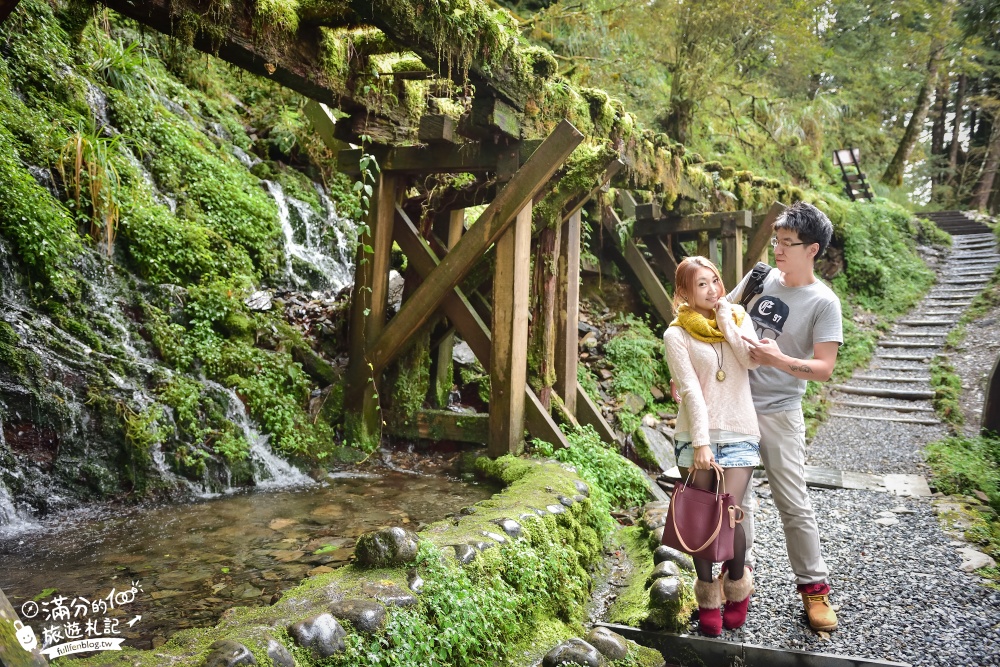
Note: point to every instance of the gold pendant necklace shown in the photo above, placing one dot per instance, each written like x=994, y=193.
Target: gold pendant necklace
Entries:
x=720, y=374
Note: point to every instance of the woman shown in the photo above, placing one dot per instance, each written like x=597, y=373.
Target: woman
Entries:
x=709, y=361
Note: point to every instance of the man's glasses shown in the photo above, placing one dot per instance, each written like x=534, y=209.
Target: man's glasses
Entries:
x=785, y=243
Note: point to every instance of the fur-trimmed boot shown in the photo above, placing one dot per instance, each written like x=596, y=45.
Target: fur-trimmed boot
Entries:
x=709, y=596
x=737, y=595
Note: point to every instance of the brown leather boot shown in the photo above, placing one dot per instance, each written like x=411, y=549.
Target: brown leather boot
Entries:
x=816, y=598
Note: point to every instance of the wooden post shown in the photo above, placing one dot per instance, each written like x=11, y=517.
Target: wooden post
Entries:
x=732, y=251
x=509, y=357
x=543, y=326
x=760, y=238
x=991, y=403
x=488, y=228
x=567, y=333
x=444, y=378
x=713, y=248
x=369, y=300
x=702, y=247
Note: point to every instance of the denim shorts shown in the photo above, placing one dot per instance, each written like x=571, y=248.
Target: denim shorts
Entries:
x=743, y=454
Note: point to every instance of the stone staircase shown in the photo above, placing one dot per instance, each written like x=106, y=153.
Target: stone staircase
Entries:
x=896, y=385
x=955, y=223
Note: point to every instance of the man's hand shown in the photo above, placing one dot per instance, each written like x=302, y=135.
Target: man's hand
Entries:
x=703, y=458
x=764, y=352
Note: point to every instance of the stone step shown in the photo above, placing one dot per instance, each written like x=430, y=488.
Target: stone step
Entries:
x=939, y=313
x=882, y=406
x=952, y=303
x=919, y=334
x=926, y=323
x=887, y=378
x=906, y=357
x=902, y=394
x=893, y=343
x=967, y=281
x=906, y=369
x=902, y=420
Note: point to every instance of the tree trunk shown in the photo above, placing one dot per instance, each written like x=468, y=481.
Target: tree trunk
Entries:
x=981, y=193
x=956, y=129
x=937, y=156
x=893, y=175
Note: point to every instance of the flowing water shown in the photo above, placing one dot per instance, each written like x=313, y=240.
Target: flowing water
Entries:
x=194, y=561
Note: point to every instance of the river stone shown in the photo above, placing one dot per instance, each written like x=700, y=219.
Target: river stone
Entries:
x=582, y=487
x=279, y=655
x=229, y=653
x=972, y=560
x=496, y=537
x=665, y=590
x=661, y=447
x=483, y=546
x=365, y=615
x=664, y=553
x=389, y=547
x=611, y=644
x=667, y=568
x=509, y=526
x=388, y=593
x=568, y=502
x=555, y=509
x=658, y=535
x=464, y=553
x=322, y=634
x=573, y=651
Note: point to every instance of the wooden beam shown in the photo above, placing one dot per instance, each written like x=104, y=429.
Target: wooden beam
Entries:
x=705, y=222
x=991, y=403
x=567, y=332
x=487, y=230
x=663, y=258
x=627, y=203
x=440, y=158
x=470, y=326
x=588, y=413
x=490, y=119
x=637, y=268
x=437, y=128
x=509, y=360
x=444, y=425
x=732, y=249
x=6, y=7
x=575, y=205
x=648, y=211
x=369, y=302
x=444, y=378
x=760, y=237
x=324, y=124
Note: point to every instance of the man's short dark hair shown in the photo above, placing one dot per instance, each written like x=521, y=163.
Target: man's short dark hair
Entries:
x=810, y=223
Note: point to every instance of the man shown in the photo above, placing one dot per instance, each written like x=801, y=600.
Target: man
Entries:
x=798, y=320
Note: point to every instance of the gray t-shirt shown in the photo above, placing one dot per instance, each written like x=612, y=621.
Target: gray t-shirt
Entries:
x=796, y=318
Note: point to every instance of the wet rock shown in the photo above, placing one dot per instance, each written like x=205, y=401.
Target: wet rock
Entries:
x=464, y=553
x=634, y=403
x=667, y=568
x=658, y=535
x=579, y=498
x=582, y=487
x=665, y=590
x=462, y=354
x=415, y=581
x=555, y=509
x=483, y=546
x=365, y=615
x=322, y=634
x=279, y=655
x=495, y=536
x=573, y=651
x=661, y=447
x=259, y=301
x=611, y=644
x=568, y=502
x=229, y=653
x=389, y=547
x=509, y=526
x=388, y=594
x=665, y=553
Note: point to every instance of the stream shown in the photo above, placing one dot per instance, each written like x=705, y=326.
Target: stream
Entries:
x=191, y=562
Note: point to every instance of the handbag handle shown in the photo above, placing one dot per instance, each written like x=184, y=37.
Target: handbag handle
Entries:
x=722, y=480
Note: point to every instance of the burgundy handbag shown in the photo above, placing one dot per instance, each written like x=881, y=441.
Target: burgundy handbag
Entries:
x=704, y=518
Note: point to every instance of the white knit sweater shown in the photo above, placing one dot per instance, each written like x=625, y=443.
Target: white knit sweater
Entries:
x=707, y=403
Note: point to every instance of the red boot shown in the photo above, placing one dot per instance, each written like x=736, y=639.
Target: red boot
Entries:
x=737, y=595
x=709, y=598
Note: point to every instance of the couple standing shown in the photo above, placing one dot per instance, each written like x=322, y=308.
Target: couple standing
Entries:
x=740, y=377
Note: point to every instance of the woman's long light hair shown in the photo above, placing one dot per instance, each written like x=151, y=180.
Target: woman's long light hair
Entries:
x=685, y=276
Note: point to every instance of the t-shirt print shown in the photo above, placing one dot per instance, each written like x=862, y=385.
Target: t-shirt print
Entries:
x=769, y=315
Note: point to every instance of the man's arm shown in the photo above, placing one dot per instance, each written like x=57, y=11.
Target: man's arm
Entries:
x=766, y=353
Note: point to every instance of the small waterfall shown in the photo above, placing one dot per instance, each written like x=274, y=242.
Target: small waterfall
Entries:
x=270, y=470
x=310, y=250
x=11, y=521
x=344, y=248
x=249, y=161
x=98, y=103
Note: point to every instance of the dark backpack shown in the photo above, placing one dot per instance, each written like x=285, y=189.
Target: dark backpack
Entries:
x=755, y=284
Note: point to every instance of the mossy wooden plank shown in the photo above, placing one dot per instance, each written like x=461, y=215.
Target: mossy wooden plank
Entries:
x=732, y=249
x=632, y=261
x=487, y=230
x=567, y=355
x=509, y=359
x=444, y=425
x=705, y=222
x=588, y=413
x=324, y=123
x=443, y=378
x=471, y=157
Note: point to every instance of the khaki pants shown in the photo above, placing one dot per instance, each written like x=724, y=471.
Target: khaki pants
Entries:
x=783, y=451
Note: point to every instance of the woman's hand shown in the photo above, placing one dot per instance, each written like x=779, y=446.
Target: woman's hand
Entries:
x=723, y=310
x=703, y=458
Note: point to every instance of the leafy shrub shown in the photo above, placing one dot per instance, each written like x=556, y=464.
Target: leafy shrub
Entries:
x=966, y=464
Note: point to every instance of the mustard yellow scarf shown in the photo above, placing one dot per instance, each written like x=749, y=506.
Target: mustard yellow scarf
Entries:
x=702, y=328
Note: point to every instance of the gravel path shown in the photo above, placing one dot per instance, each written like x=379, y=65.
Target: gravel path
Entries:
x=899, y=590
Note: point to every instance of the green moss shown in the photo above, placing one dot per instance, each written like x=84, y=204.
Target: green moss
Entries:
x=10, y=355
x=947, y=386
x=410, y=379
x=279, y=15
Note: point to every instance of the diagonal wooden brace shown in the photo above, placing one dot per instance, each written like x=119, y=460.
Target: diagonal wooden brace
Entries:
x=470, y=326
x=493, y=222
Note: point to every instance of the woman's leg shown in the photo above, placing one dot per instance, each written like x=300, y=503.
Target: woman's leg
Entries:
x=737, y=580
x=737, y=480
